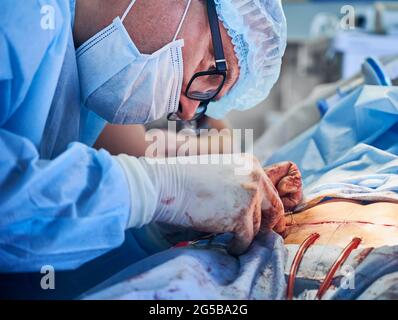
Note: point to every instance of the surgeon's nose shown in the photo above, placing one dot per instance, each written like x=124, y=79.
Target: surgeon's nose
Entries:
x=188, y=108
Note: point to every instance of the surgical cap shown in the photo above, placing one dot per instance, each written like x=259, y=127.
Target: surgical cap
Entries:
x=258, y=32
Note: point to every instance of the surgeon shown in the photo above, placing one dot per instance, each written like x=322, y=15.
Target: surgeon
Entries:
x=69, y=67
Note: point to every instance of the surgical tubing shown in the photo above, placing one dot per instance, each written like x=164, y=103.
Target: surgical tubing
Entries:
x=339, y=261
x=296, y=262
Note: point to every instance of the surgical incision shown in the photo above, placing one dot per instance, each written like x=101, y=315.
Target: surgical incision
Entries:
x=338, y=221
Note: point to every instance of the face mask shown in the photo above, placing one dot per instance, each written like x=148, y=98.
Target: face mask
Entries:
x=124, y=86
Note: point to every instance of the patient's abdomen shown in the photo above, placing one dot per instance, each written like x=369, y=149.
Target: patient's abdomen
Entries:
x=338, y=222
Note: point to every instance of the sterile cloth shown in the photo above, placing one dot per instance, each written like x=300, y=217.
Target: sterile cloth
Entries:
x=352, y=152
x=203, y=271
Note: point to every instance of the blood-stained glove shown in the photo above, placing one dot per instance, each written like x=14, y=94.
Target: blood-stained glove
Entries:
x=286, y=177
x=231, y=194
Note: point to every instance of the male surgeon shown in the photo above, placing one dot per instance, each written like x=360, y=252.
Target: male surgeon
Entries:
x=69, y=67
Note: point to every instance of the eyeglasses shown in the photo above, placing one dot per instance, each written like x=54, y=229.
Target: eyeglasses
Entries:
x=206, y=85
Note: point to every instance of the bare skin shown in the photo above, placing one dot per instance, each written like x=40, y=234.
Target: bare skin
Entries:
x=133, y=140
x=155, y=18
x=339, y=221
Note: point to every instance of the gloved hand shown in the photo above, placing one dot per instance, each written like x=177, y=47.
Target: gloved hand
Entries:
x=286, y=178
x=215, y=198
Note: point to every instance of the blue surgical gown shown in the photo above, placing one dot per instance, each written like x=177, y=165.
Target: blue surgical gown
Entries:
x=62, y=203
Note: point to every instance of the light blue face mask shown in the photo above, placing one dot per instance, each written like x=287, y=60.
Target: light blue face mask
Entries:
x=124, y=86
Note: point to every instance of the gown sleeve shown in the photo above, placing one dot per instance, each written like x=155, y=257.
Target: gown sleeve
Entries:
x=61, y=212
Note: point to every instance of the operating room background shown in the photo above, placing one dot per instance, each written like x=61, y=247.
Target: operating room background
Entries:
x=320, y=52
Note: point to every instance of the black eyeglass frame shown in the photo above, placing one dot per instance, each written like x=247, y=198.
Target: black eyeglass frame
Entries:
x=220, y=65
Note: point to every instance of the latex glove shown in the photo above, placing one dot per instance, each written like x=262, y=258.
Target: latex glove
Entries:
x=212, y=198
x=286, y=177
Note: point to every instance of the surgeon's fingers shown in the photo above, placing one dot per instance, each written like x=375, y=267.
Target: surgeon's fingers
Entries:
x=281, y=170
x=280, y=226
x=286, y=177
x=257, y=217
x=272, y=207
x=291, y=191
x=291, y=182
x=248, y=225
x=243, y=237
x=277, y=171
x=274, y=214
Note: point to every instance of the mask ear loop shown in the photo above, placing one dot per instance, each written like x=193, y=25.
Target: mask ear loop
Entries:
x=182, y=20
x=127, y=10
